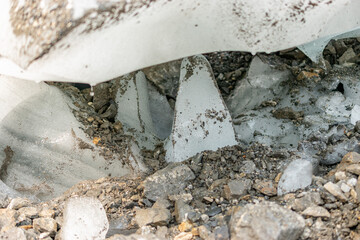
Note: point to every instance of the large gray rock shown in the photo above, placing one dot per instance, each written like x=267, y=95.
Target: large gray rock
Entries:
x=266, y=221
x=170, y=180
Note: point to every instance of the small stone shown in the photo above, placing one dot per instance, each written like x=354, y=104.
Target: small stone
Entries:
x=335, y=191
x=345, y=188
x=309, y=199
x=162, y=232
x=316, y=211
x=213, y=211
x=353, y=168
x=257, y=221
x=162, y=203
x=152, y=216
x=181, y=211
x=7, y=219
x=266, y=187
x=304, y=75
x=29, y=212
x=185, y=226
x=13, y=234
x=184, y=236
x=170, y=180
x=340, y=176
x=352, y=182
x=205, y=233
x=208, y=199
x=47, y=213
x=237, y=188
x=221, y=233
x=45, y=225
x=348, y=56
x=186, y=197
x=205, y=218
x=17, y=203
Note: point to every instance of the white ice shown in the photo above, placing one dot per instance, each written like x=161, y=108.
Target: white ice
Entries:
x=84, y=219
x=201, y=121
x=132, y=99
x=262, y=81
x=37, y=123
x=169, y=30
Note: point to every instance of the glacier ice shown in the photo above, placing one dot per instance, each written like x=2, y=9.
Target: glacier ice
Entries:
x=123, y=36
x=201, y=121
x=84, y=218
x=355, y=114
x=262, y=81
x=50, y=152
x=132, y=99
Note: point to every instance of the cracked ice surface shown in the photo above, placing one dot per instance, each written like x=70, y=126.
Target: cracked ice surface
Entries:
x=202, y=121
x=140, y=34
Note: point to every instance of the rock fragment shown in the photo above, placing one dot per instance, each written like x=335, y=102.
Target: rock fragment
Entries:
x=335, y=191
x=45, y=225
x=316, y=211
x=257, y=221
x=237, y=188
x=170, y=180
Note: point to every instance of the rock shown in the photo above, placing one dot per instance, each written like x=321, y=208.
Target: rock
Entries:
x=221, y=233
x=101, y=95
x=297, y=175
x=316, y=211
x=135, y=237
x=45, y=225
x=237, y=188
x=258, y=221
x=182, y=211
x=7, y=219
x=165, y=77
x=205, y=233
x=345, y=188
x=17, y=203
x=13, y=234
x=287, y=113
x=353, y=168
x=336, y=152
x=348, y=56
x=170, y=180
x=340, y=176
x=335, y=191
x=266, y=187
x=84, y=218
x=357, y=127
x=29, y=212
x=309, y=199
x=184, y=236
x=185, y=226
x=155, y=216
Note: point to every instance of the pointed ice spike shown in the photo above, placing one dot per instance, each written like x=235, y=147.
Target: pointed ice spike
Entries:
x=202, y=121
x=132, y=99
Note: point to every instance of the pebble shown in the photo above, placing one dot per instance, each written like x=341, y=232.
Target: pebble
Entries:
x=154, y=216
x=345, y=188
x=335, y=191
x=45, y=225
x=168, y=181
x=316, y=211
x=17, y=203
x=237, y=188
